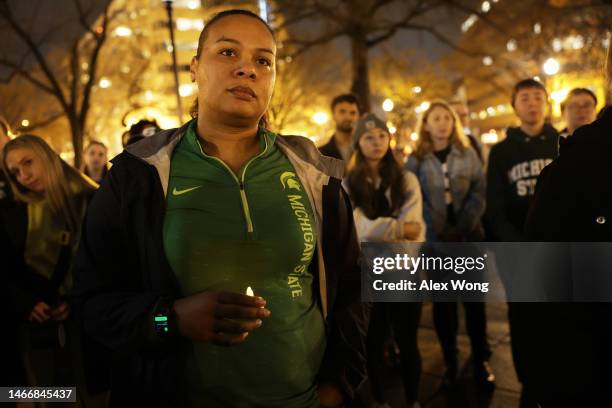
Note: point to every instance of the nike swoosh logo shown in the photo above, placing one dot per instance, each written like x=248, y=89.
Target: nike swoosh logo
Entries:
x=176, y=192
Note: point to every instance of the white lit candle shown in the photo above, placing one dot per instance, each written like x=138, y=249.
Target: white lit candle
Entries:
x=249, y=291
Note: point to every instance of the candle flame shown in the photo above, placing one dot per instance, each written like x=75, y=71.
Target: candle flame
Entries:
x=249, y=292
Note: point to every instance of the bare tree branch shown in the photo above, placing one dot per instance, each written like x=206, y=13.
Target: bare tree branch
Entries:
x=394, y=27
x=74, y=71
x=443, y=39
x=7, y=15
x=482, y=16
x=83, y=17
x=93, y=60
x=304, y=45
x=18, y=70
x=331, y=12
x=377, y=5
x=305, y=14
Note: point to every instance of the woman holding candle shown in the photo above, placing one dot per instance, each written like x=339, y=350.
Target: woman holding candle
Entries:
x=388, y=208
x=210, y=209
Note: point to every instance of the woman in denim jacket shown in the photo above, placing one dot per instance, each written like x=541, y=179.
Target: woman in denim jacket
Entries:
x=453, y=186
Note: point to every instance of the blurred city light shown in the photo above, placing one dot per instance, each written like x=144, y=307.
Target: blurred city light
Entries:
x=537, y=28
x=490, y=137
x=487, y=61
x=577, y=42
x=320, y=118
x=186, y=89
x=105, y=83
x=25, y=123
x=422, y=107
x=185, y=24
x=560, y=95
x=263, y=10
x=417, y=89
x=551, y=66
x=511, y=45
x=469, y=22
x=388, y=105
x=414, y=136
x=123, y=31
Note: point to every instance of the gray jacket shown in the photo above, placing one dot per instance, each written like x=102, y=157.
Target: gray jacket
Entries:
x=467, y=185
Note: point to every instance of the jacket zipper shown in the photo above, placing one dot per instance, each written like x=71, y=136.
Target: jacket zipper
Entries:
x=243, y=198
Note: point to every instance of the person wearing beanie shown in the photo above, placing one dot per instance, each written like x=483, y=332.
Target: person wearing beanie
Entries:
x=142, y=129
x=387, y=208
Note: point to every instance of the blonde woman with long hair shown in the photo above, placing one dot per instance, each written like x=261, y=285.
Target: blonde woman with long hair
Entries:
x=453, y=187
x=43, y=231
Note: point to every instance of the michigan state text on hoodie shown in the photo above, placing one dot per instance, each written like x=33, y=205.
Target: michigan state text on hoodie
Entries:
x=513, y=169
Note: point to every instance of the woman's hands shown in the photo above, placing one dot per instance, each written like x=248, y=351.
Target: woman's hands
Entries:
x=412, y=230
x=221, y=318
x=43, y=312
x=330, y=396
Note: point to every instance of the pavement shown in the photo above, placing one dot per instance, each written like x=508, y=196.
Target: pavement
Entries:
x=465, y=394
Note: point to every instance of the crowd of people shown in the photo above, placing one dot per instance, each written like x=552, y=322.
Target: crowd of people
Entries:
x=217, y=264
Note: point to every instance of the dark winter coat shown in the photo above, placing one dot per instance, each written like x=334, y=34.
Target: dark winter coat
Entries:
x=567, y=347
x=122, y=271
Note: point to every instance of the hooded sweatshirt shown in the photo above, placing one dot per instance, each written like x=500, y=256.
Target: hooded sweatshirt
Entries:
x=513, y=169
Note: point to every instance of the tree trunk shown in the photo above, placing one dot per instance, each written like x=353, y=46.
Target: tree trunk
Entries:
x=76, y=131
x=361, y=81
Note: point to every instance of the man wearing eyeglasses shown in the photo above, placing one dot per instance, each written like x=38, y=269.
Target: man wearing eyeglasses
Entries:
x=578, y=109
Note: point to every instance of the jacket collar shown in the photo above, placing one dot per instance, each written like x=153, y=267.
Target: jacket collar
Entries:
x=157, y=151
x=454, y=151
x=517, y=135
